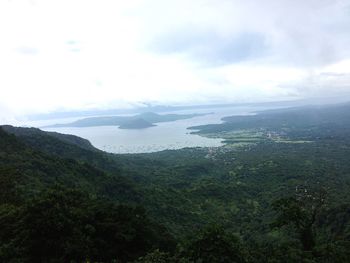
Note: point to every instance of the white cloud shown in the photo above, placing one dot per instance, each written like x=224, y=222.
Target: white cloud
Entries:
x=89, y=53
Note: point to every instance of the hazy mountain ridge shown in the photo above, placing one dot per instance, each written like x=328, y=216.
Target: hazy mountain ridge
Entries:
x=148, y=119
x=157, y=109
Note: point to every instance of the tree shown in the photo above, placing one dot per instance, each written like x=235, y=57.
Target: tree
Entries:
x=214, y=245
x=156, y=256
x=54, y=227
x=66, y=225
x=301, y=211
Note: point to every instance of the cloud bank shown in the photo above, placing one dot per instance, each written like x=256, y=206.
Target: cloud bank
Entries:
x=100, y=54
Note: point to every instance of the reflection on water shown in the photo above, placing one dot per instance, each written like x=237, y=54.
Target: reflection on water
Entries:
x=167, y=135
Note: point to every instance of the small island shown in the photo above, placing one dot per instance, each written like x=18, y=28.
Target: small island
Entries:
x=136, y=124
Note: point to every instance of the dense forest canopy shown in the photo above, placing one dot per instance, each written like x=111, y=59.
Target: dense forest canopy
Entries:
x=278, y=191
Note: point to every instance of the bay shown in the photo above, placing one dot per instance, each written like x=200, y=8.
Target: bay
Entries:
x=164, y=136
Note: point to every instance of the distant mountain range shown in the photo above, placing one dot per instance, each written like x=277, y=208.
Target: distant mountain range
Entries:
x=153, y=108
x=140, y=121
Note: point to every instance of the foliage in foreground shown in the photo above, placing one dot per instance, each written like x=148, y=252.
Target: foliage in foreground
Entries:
x=248, y=192
x=65, y=225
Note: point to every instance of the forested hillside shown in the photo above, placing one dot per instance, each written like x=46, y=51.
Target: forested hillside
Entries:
x=278, y=191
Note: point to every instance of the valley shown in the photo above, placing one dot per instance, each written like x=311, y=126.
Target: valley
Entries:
x=234, y=186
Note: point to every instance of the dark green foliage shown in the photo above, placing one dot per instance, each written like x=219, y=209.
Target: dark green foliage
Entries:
x=157, y=256
x=10, y=180
x=37, y=135
x=27, y=168
x=51, y=228
x=126, y=233
x=63, y=225
x=302, y=211
x=214, y=245
x=63, y=146
x=183, y=190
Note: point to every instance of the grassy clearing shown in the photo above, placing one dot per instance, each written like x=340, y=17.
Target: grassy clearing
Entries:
x=242, y=138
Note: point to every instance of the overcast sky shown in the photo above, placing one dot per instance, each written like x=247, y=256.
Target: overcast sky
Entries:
x=83, y=54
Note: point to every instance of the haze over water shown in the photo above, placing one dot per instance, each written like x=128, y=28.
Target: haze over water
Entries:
x=167, y=135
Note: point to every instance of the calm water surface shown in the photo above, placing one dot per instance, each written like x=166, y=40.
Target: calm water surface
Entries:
x=167, y=135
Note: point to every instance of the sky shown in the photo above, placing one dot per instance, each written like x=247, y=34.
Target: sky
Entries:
x=58, y=55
